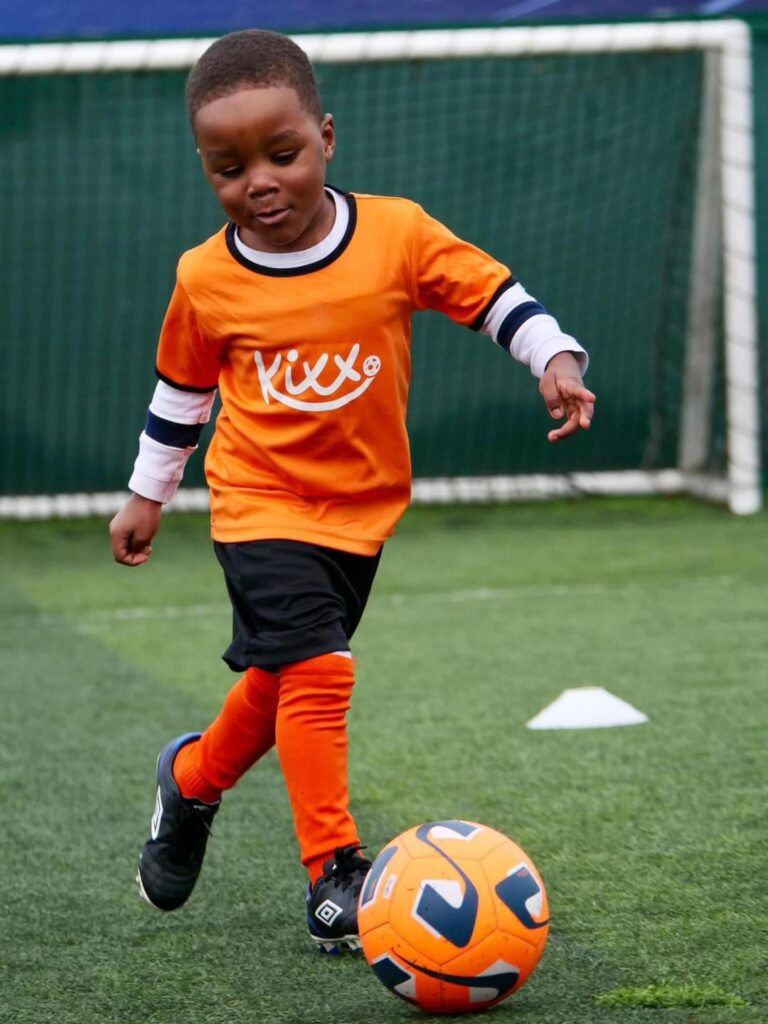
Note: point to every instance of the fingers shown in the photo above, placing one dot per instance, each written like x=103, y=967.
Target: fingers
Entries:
x=560, y=392
x=132, y=529
x=128, y=550
x=567, y=396
x=575, y=422
x=136, y=557
x=551, y=396
x=579, y=418
x=573, y=389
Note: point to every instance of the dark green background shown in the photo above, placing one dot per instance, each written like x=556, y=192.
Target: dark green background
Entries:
x=577, y=173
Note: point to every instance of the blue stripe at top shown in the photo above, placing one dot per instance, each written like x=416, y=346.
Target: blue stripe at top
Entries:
x=515, y=319
x=175, y=435
x=88, y=19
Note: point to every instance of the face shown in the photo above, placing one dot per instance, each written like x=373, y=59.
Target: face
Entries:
x=265, y=157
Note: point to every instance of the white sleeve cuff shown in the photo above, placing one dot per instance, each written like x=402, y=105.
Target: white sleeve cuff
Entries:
x=158, y=469
x=181, y=406
x=522, y=326
x=539, y=339
x=548, y=349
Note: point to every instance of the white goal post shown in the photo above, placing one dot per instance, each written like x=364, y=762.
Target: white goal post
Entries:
x=724, y=222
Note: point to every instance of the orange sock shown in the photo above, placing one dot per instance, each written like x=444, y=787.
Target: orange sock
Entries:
x=243, y=732
x=312, y=744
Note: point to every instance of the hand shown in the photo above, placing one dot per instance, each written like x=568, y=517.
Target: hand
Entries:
x=132, y=530
x=564, y=393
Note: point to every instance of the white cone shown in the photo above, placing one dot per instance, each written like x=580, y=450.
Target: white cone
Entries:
x=588, y=707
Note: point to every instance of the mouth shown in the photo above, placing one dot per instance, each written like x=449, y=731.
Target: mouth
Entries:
x=272, y=217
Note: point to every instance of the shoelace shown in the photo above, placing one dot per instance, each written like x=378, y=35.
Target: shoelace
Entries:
x=350, y=870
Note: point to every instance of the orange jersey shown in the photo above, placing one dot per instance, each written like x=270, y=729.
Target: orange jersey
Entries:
x=313, y=367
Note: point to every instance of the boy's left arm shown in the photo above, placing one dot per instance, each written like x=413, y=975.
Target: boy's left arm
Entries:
x=460, y=280
x=564, y=394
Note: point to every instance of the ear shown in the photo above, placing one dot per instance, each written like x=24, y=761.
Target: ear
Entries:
x=328, y=135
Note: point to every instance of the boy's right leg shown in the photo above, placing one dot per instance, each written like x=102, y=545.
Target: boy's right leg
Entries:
x=192, y=773
x=243, y=732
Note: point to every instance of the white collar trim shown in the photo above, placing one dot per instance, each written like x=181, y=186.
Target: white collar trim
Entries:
x=288, y=260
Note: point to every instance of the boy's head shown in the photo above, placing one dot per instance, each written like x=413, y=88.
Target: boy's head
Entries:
x=254, y=106
x=252, y=59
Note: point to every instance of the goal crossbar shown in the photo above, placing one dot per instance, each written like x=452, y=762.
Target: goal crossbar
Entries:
x=420, y=44
x=727, y=41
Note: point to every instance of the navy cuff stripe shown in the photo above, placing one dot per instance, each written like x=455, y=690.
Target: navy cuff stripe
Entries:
x=184, y=387
x=174, y=435
x=478, y=322
x=515, y=319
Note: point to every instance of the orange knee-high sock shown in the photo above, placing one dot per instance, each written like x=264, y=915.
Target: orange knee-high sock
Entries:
x=243, y=732
x=312, y=744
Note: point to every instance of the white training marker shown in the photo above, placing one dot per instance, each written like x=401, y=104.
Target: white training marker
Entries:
x=588, y=707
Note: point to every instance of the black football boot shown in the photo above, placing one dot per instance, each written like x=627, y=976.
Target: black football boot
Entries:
x=173, y=854
x=332, y=901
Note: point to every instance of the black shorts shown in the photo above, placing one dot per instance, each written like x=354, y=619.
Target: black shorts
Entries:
x=292, y=601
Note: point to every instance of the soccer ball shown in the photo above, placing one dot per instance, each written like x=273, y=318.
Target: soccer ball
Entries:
x=453, y=916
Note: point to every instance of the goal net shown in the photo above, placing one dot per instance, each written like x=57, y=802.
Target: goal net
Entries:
x=610, y=166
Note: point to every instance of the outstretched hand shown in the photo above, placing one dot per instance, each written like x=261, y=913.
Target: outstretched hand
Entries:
x=564, y=394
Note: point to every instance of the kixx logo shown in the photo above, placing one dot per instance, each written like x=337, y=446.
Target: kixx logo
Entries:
x=291, y=388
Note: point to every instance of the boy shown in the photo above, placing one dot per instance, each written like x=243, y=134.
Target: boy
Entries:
x=299, y=313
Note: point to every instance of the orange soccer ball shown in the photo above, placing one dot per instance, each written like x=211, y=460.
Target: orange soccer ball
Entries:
x=453, y=916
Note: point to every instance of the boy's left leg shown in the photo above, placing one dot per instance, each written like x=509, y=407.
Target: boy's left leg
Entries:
x=311, y=737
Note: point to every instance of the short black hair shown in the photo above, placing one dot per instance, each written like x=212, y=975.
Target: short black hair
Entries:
x=253, y=58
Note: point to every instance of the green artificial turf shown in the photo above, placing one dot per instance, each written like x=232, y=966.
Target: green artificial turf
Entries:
x=670, y=995
x=651, y=838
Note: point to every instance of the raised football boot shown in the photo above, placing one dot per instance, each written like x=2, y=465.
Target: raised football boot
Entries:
x=332, y=901
x=178, y=833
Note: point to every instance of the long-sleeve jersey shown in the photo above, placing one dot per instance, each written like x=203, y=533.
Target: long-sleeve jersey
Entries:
x=311, y=357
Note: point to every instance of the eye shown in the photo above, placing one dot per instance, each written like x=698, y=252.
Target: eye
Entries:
x=284, y=158
x=230, y=172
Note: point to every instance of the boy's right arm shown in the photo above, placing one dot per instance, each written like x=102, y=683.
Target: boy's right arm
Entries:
x=175, y=420
x=132, y=530
x=181, y=405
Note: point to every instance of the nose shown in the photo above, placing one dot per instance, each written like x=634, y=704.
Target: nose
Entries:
x=261, y=181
